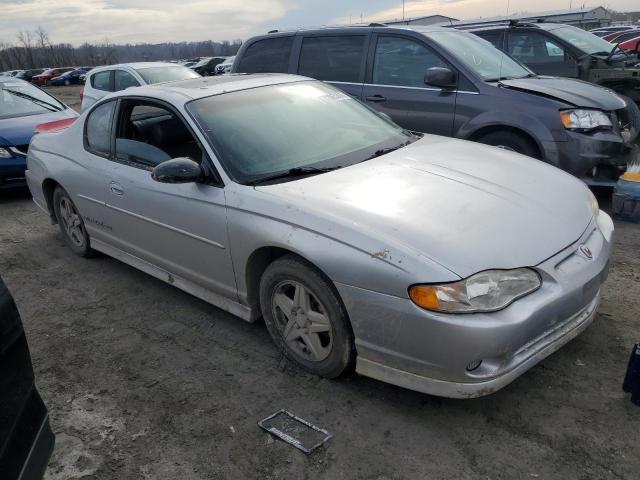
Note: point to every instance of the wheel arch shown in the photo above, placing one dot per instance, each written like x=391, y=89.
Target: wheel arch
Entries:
x=257, y=263
x=475, y=135
x=48, y=187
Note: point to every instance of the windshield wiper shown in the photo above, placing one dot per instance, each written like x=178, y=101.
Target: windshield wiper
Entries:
x=293, y=172
x=49, y=106
x=384, y=151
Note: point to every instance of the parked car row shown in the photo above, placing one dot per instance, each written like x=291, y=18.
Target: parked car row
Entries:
x=447, y=82
x=50, y=76
x=207, y=65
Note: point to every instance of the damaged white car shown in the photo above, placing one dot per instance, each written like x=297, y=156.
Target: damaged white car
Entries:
x=440, y=265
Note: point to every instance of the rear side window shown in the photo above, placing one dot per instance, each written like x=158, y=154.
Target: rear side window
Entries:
x=124, y=80
x=403, y=62
x=532, y=47
x=98, y=129
x=267, y=56
x=332, y=58
x=100, y=80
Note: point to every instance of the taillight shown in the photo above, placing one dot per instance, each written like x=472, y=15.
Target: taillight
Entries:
x=55, y=126
x=81, y=94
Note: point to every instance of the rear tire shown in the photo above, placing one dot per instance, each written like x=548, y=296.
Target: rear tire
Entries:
x=513, y=141
x=306, y=318
x=71, y=224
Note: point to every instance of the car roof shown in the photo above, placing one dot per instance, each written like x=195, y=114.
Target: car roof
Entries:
x=134, y=65
x=351, y=28
x=201, y=87
x=5, y=79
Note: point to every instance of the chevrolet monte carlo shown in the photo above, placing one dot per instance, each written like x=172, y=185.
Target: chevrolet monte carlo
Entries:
x=435, y=264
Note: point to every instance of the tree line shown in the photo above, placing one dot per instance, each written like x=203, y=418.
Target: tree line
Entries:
x=34, y=49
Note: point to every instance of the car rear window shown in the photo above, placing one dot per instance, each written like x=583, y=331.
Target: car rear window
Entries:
x=332, y=58
x=267, y=56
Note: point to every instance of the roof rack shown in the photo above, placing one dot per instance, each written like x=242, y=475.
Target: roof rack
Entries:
x=492, y=23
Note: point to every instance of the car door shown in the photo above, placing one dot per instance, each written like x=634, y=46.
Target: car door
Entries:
x=395, y=85
x=336, y=59
x=180, y=228
x=85, y=179
x=542, y=53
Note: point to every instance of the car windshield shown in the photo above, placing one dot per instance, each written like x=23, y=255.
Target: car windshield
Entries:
x=153, y=75
x=480, y=56
x=304, y=126
x=18, y=98
x=582, y=40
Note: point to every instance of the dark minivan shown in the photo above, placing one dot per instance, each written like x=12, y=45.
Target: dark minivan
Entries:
x=449, y=82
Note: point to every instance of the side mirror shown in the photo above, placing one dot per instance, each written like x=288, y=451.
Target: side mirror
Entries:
x=177, y=170
x=441, y=77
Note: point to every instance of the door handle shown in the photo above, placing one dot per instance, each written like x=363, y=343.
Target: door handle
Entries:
x=116, y=189
x=376, y=98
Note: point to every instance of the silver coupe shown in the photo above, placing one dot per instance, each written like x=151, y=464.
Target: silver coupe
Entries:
x=439, y=265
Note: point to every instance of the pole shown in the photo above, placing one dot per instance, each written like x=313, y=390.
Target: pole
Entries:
x=403, y=10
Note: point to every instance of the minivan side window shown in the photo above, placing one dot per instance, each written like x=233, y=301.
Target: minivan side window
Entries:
x=267, y=56
x=403, y=62
x=98, y=129
x=332, y=58
x=532, y=47
x=124, y=79
x=100, y=80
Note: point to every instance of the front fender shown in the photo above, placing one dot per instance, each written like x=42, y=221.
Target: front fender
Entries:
x=342, y=252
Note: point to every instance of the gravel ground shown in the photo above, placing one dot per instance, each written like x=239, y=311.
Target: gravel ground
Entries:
x=145, y=381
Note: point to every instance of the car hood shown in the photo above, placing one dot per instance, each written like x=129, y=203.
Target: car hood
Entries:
x=575, y=92
x=19, y=130
x=465, y=206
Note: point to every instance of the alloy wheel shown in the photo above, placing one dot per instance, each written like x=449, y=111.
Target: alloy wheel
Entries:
x=302, y=321
x=71, y=222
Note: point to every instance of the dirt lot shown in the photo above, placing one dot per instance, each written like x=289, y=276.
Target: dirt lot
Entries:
x=145, y=381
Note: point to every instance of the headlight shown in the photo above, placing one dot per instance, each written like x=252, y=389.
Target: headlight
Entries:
x=584, y=119
x=4, y=153
x=593, y=203
x=486, y=291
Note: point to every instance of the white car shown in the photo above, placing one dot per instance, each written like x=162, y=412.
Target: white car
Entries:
x=102, y=81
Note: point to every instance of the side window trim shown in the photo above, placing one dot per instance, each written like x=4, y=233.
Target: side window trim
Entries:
x=295, y=63
x=85, y=141
x=214, y=177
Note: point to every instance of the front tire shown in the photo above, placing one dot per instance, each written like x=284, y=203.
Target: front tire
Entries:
x=71, y=224
x=513, y=141
x=306, y=318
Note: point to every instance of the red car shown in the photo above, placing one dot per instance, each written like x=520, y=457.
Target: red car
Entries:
x=619, y=37
x=632, y=45
x=47, y=75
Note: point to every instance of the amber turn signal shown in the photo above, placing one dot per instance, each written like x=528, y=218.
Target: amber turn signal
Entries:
x=424, y=296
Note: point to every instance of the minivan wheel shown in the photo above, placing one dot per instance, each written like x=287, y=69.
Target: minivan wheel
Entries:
x=305, y=317
x=513, y=141
x=71, y=224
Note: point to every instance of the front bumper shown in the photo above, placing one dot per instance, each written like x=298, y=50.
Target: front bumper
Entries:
x=401, y=344
x=12, y=172
x=598, y=158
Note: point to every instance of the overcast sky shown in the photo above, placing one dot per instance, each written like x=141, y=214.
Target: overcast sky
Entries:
x=136, y=21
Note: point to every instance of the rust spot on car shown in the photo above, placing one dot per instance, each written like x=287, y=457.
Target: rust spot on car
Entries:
x=381, y=254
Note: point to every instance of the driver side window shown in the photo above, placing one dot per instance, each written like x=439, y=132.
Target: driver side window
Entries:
x=403, y=62
x=149, y=134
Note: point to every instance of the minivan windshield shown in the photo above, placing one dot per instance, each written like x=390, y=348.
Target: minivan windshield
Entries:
x=480, y=56
x=582, y=40
x=19, y=98
x=297, y=128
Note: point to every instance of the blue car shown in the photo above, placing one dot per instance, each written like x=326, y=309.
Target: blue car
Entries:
x=22, y=107
x=74, y=77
